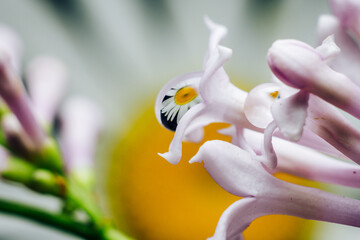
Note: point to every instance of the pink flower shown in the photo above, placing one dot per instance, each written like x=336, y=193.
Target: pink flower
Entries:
x=268, y=127
x=238, y=173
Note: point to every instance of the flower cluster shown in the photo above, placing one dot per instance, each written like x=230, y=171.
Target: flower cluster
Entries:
x=292, y=125
x=49, y=158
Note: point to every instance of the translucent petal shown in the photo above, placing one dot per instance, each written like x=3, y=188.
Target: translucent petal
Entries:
x=11, y=46
x=290, y=114
x=328, y=49
x=46, y=80
x=257, y=107
x=81, y=124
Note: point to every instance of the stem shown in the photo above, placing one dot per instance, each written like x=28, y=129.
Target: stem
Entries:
x=54, y=220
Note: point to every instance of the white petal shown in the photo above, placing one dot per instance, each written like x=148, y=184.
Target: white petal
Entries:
x=258, y=104
x=328, y=49
x=290, y=114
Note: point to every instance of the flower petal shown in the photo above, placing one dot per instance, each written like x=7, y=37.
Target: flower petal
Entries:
x=236, y=218
x=258, y=104
x=233, y=168
x=11, y=47
x=307, y=163
x=349, y=56
x=290, y=114
x=300, y=66
x=46, y=81
x=81, y=122
x=217, y=34
x=328, y=50
x=13, y=92
x=174, y=154
x=326, y=121
x=348, y=13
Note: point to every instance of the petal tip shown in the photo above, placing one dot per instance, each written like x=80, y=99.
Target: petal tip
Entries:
x=171, y=158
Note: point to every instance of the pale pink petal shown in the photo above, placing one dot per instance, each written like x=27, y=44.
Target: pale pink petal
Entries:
x=327, y=122
x=290, y=114
x=348, y=13
x=258, y=104
x=46, y=81
x=175, y=149
x=307, y=163
x=328, y=50
x=81, y=122
x=236, y=218
x=196, y=118
x=232, y=168
x=10, y=47
x=269, y=158
x=217, y=34
x=349, y=56
x=214, y=77
x=235, y=171
x=300, y=66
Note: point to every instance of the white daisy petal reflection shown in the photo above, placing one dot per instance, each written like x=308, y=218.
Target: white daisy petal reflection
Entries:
x=177, y=101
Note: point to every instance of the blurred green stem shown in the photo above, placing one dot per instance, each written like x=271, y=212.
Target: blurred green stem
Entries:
x=60, y=221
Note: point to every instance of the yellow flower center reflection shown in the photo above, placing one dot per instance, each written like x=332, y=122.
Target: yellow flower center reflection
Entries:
x=274, y=94
x=155, y=200
x=185, y=95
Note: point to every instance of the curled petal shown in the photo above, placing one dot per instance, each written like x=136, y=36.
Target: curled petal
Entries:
x=217, y=34
x=174, y=154
x=328, y=50
x=290, y=114
x=269, y=153
x=350, y=50
x=258, y=104
x=229, y=110
x=236, y=218
x=214, y=75
x=46, y=81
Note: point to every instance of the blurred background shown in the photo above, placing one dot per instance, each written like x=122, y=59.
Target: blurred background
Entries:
x=120, y=53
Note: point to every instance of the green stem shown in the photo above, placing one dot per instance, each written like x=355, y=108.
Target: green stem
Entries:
x=58, y=221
